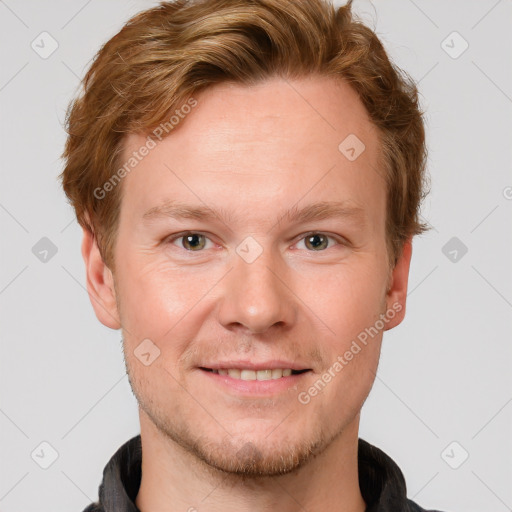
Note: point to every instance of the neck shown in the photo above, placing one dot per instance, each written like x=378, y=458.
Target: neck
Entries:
x=173, y=480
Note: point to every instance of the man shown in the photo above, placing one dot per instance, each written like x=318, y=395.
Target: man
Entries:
x=248, y=176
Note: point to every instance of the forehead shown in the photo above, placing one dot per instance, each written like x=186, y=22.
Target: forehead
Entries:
x=274, y=141
x=276, y=112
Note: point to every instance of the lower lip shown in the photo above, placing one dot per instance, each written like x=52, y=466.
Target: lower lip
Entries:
x=255, y=387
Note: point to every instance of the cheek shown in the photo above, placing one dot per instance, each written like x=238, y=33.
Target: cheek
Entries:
x=352, y=344
x=348, y=299
x=155, y=299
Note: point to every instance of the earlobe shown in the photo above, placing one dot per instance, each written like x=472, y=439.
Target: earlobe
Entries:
x=397, y=292
x=100, y=283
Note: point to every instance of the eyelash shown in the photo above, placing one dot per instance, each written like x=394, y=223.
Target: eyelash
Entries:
x=339, y=240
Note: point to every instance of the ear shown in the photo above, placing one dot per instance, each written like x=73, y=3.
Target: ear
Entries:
x=397, y=291
x=100, y=283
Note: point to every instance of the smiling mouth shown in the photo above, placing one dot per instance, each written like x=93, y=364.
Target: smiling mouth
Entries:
x=265, y=374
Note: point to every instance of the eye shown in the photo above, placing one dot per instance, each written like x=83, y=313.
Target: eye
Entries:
x=190, y=241
x=316, y=241
x=193, y=241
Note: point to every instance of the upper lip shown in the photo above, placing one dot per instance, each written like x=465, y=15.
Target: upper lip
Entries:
x=254, y=365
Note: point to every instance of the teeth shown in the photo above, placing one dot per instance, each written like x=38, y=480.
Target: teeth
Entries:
x=277, y=374
x=248, y=375
x=235, y=373
x=264, y=374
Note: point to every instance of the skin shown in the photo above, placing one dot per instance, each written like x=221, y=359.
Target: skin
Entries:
x=253, y=152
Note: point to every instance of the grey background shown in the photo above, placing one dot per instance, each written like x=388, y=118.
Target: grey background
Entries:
x=445, y=372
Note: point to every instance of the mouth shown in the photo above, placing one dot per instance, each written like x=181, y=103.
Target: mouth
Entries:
x=255, y=374
x=255, y=378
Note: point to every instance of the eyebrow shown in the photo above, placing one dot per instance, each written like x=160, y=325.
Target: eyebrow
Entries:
x=312, y=212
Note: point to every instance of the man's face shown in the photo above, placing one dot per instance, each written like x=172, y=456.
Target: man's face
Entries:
x=252, y=288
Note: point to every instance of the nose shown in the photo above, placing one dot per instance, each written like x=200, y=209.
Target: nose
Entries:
x=257, y=295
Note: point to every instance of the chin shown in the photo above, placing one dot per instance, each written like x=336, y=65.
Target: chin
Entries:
x=258, y=459
x=253, y=451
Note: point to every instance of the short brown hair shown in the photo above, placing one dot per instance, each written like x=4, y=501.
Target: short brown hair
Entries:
x=163, y=55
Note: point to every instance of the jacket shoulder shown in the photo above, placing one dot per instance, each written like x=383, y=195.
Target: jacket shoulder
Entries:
x=94, y=507
x=414, y=507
